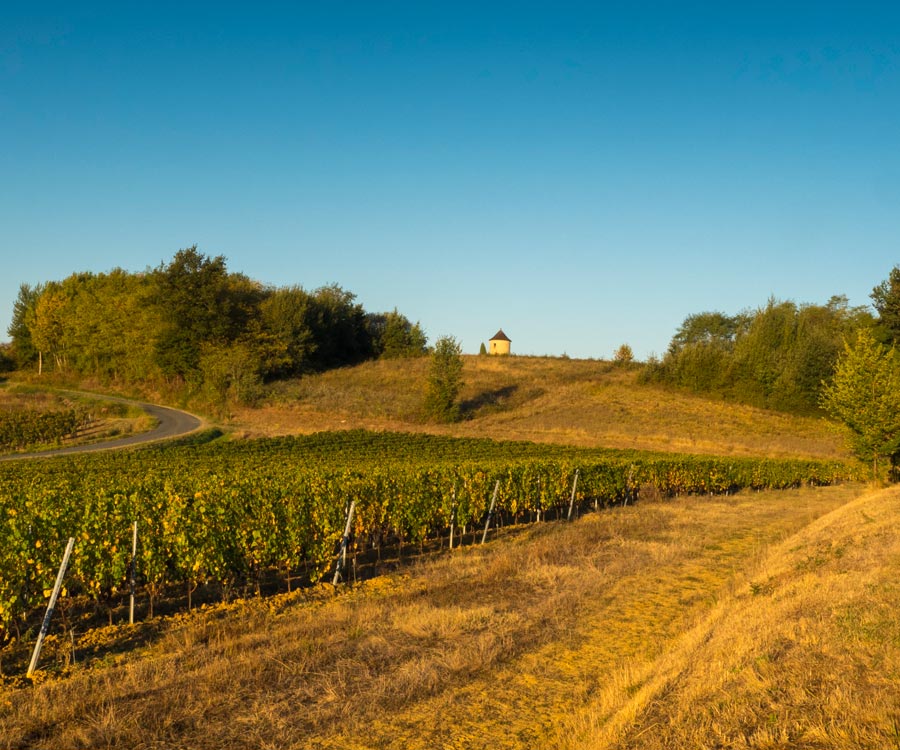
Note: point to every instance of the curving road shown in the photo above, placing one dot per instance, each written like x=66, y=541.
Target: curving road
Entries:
x=171, y=423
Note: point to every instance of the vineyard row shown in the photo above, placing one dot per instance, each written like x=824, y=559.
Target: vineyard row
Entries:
x=227, y=513
x=19, y=429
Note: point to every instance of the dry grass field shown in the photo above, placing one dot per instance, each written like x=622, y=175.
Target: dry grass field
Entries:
x=759, y=620
x=575, y=402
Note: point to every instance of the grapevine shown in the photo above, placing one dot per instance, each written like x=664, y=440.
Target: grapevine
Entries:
x=227, y=511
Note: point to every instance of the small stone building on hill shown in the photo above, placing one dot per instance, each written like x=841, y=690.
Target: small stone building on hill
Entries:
x=500, y=343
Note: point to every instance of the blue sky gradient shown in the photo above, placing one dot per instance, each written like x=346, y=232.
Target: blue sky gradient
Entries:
x=580, y=174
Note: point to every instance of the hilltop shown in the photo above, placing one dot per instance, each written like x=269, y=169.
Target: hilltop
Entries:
x=588, y=403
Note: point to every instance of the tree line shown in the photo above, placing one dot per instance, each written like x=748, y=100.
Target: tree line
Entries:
x=774, y=357
x=801, y=358
x=193, y=323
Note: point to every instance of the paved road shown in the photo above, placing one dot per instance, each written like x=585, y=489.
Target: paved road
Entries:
x=171, y=423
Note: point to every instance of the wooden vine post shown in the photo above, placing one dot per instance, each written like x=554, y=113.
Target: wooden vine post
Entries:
x=487, y=523
x=45, y=626
x=345, y=541
x=572, y=501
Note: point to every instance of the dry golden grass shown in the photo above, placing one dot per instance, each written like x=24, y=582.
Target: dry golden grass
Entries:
x=687, y=623
x=574, y=402
x=806, y=656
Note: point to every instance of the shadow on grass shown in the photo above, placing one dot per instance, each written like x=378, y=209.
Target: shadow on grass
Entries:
x=492, y=400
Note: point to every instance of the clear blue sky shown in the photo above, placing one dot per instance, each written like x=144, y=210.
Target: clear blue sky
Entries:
x=579, y=174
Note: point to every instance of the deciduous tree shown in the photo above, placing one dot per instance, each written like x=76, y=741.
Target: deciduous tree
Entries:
x=623, y=355
x=192, y=296
x=863, y=395
x=886, y=300
x=19, y=329
x=444, y=380
x=286, y=315
x=395, y=336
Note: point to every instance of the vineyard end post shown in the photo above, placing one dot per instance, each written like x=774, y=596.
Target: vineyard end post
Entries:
x=45, y=626
x=345, y=541
x=572, y=500
x=487, y=523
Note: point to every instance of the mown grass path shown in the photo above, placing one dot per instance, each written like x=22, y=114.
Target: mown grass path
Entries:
x=661, y=567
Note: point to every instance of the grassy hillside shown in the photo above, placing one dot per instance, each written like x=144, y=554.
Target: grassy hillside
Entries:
x=576, y=402
x=757, y=620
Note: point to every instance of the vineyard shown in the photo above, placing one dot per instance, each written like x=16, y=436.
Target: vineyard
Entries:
x=229, y=512
x=19, y=429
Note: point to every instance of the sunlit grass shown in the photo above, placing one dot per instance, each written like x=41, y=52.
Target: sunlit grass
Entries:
x=805, y=655
x=575, y=402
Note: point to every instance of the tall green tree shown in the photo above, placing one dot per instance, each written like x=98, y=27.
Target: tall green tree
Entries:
x=339, y=328
x=760, y=353
x=19, y=329
x=444, y=380
x=394, y=336
x=199, y=304
x=886, y=300
x=863, y=395
x=700, y=355
x=713, y=328
x=231, y=375
x=775, y=357
x=48, y=326
x=286, y=318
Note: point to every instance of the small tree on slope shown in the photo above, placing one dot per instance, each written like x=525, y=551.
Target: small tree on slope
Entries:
x=864, y=395
x=444, y=380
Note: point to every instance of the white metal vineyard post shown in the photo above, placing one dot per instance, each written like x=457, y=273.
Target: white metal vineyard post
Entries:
x=46, y=624
x=452, y=518
x=131, y=574
x=487, y=523
x=572, y=501
x=345, y=540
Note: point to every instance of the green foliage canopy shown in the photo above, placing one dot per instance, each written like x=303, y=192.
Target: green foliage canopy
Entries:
x=198, y=327
x=774, y=357
x=444, y=380
x=864, y=395
x=396, y=337
x=19, y=329
x=886, y=300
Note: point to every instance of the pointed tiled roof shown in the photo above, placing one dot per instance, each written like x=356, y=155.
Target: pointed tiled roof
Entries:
x=500, y=336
